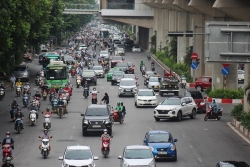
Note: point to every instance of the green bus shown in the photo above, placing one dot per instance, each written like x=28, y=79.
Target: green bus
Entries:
x=56, y=74
x=47, y=57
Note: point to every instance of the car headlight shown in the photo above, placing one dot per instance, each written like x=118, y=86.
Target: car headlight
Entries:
x=107, y=122
x=125, y=164
x=120, y=88
x=173, y=148
x=139, y=100
x=152, y=164
x=25, y=74
x=86, y=122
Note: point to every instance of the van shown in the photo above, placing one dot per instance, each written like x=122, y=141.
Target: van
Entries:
x=21, y=72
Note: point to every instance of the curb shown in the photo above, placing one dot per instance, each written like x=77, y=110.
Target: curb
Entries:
x=238, y=133
x=226, y=101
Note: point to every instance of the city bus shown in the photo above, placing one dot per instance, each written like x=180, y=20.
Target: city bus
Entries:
x=104, y=34
x=56, y=74
x=47, y=57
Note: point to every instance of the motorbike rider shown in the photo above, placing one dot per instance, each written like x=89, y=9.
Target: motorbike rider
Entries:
x=106, y=98
x=33, y=106
x=61, y=102
x=13, y=80
x=119, y=109
x=19, y=83
x=45, y=136
x=215, y=106
x=67, y=89
x=123, y=109
x=37, y=74
x=20, y=115
x=52, y=90
x=8, y=162
x=47, y=112
x=141, y=64
x=27, y=87
x=105, y=135
x=37, y=95
x=45, y=88
x=3, y=87
x=86, y=86
x=8, y=140
x=14, y=104
x=152, y=63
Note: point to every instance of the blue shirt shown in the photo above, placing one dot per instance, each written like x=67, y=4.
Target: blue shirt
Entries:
x=215, y=106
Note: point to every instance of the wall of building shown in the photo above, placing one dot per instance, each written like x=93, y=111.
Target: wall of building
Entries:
x=144, y=37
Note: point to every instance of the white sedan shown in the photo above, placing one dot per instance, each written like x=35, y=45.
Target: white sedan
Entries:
x=136, y=48
x=146, y=97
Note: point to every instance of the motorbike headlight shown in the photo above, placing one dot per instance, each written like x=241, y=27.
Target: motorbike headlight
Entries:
x=152, y=164
x=173, y=148
x=86, y=122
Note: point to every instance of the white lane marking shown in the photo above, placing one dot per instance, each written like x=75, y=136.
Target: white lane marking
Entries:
x=205, y=129
x=183, y=136
x=238, y=133
x=74, y=127
x=200, y=159
x=191, y=146
x=71, y=137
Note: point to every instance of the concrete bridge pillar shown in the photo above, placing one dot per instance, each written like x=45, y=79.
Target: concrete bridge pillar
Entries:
x=246, y=80
x=158, y=23
x=136, y=34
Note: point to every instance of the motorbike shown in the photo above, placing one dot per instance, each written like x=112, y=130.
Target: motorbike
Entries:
x=211, y=115
x=41, y=73
x=1, y=93
x=40, y=82
x=143, y=72
x=27, y=59
x=38, y=102
x=36, y=80
x=183, y=83
x=51, y=96
x=54, y=105
x=44, y=95
x=19, y=125
x=149, y=57
x=152, y=67
x=94, y=98
x=146, y=81
x=6, y=152
x=33, y=117
x=73, y=73
x=25, y=100
x=105, y=147
x=78, y=82
x=47, y=122
x=45, y=147
x=13, y=112
x=65, y=100
x=60, y=110
x=116, y=117
x=86, y=92
x=18, y=90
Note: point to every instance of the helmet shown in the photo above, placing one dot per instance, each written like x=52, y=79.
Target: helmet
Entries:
x=8, y=133
x=118, y=102
x=45, y=130
x=19, y=80
x=14, y=100
x=105, y=130
x=47, y=108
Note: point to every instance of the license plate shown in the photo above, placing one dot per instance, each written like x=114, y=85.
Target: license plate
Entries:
x=88, y=79
x=128, y=90
x=161, y=152
x=96, y=126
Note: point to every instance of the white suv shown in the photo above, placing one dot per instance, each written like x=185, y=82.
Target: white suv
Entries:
x=176, y=107
x=145, y=97
x=127, y=87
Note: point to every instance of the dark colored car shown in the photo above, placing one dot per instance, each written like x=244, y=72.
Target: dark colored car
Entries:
x=115, y=60
x=129, y=43
x=89, y=76
x=203, y=82
x=96, y=119
x=123, y=67
x=169, y=85
x=117, y=76
x=43, y=52
x=198, y=98
x=232, y=164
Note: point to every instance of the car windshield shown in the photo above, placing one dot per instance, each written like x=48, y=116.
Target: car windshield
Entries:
x=104, y=52
x=136, y=46
x=116, y=58
x=118, y=73
x=127, y=83
x=171, y=102
x=240, y=72
x=153, y=79
x=150, y=73
x=120, y=49
x=236, y=164
x=83, y=46
x=129, y=76
x=146, y=93
x=159, y=138
x=122, y=65
x=19, y=68
x=88, y=73
x=113, y=69
x=138, y=154
x=97, y=68
x=78, y=154
x=97, y=112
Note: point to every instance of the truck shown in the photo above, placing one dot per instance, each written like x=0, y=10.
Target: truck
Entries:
x=169, y=84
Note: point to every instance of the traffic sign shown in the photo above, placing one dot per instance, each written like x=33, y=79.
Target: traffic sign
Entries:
x=225, y=65
x=194, y=56
x=194, y=65
x=225, y=71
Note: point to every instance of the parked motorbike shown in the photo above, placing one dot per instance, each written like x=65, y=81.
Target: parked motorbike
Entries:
x=32, y=118
x=2, y=91
x=105, y=147
x=47, y=122
x=25, y=100
x=45, y=147
x=19, y=125
x=86, y=92
x=211, y=115
x=18, y=90
x=116, y=117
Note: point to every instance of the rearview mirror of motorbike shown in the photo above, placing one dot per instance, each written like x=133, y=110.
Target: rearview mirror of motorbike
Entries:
x=39, y=136
x=82, y=115
x=175, y=140
x=119, y=157
x=60, y=158
x=95, y=158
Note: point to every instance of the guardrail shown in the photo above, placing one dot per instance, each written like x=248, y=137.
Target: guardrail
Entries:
x=128, y=6
x=82, y=6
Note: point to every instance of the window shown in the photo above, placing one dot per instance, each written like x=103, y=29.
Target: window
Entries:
x=138, y=154
x=56, y=73
x=20, y=69
x=153, y=79
x=171, y=102
x=78, y=154
x=97, y=112
x=146, y=93
x=204, y=79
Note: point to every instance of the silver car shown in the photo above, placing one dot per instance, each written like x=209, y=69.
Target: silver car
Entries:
x=153, y=83
x=21, y=72
x=99, y=72
x=137, y=155
x=104, y=53
x=127, y=87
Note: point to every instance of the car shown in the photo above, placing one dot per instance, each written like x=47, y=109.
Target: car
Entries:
x=153, y=83
x=176, y=108
x=96, y=119
x=116, y=77
x=145, y=97
x=169, y=85
x=199, y=99
x=203, y=83
x=115, y=60
x=104, y=53
x=120, y=52
x=121, y=46
x=127, y=87
x=136, y=49
x=117, y=43
x=163, y=144
x=241, y=76
x=21, y=72
x=137, y=156
x=129, y=43
x=110, y=73
x=123, y=67
x=83, y=46
x=68, y=59
x=78, y=155
x=232, y=163
x=89, y=76
x=99, y=71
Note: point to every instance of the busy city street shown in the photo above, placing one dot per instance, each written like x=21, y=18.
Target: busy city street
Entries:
x=200, y=143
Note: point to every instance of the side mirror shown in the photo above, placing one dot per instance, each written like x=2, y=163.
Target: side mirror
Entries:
x=145, y=141
x=183, y=104
x=82, y=115
x=60, y=158
x=175, y=140
x=143, y=75
x=135, y=94
x=95, y=158
x=119, y=157
x=159, y=104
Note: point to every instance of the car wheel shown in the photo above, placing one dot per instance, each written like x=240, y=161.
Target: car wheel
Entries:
x=179, y=116
x=175, y=158
x=157, y=119
x=199, y=88
x=193, y=114
x=135, y=104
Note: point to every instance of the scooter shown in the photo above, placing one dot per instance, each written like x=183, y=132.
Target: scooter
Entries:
x=146, y=81
x=211, y=115
x=60, y=110
x=116, y=117
x=44, y=95
x=1, y=93
x=51, y=96
x=45, y=147
x=13, y=112
x=18, y=90
x=54, y=102
x=25, y=100
x=105, y=147
x=33, y=117
x=94, y=98
x=86, y=92
x=37, y=80
x=152, y=67
x=47, y=122
x=78, y=82
x=6, y=152
x=73, y=73
x=183, y=82
x=19, y=125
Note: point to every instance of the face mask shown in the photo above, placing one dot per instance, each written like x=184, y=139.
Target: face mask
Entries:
x=7, y=135
x=45, y=133
x=105, y=132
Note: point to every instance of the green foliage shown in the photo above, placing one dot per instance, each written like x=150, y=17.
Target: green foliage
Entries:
x=247, y=92
x=173, y=48
x=153, y=43
x=245, y=120
x=187, y=58
x=237, y=112
x=227, y=94
x=208, y=90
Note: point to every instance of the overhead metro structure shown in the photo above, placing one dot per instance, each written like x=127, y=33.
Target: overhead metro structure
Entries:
x=81, y=9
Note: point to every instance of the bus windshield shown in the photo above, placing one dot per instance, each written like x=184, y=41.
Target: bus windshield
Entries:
x=104, y=33
x=56, y=73
x=47, y=59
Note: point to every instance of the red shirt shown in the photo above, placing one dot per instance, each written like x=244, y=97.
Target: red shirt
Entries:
x=67, y=89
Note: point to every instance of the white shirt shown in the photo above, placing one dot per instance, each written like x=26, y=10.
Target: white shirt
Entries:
x=94, y=91
x=27, y=87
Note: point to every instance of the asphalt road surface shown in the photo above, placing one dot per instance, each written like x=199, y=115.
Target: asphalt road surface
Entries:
x=200, y=143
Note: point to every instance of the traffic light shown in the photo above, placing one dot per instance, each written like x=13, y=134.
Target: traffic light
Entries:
x=198, y=61
x=175, y=34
